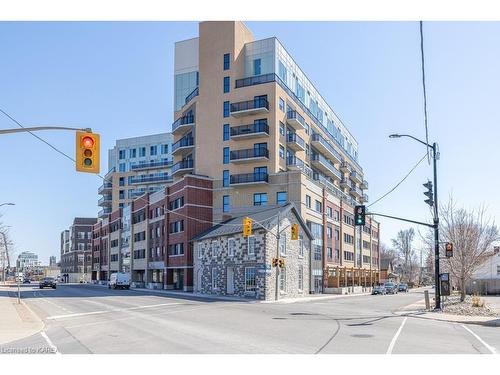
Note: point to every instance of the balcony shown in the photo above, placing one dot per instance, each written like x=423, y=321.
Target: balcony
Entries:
x=183, y=124
x=152, y=165
x=322, y=145
x=356, y=192
x=364, y=185
x=183, y=146
x=295, y=142
x=255, y=130
x=295, y=120
x=345, y=167
x=249, y=155
x=294, y=163
x=106, y=187
x=364, y=198
x=102, y=213
x=193, y=94
x=182, y=167
x=323, y=164
x=356, y=177
x=150, y=179
x=249, y=178
x=256, y=80
x=344, y=183
x=250, y=107
x=105, y=201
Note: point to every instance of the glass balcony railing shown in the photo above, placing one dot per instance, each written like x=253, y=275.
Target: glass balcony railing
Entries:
x=259, y=103
x=248, y=178
x=183, y=142
x=294, y=138
x=161, y=177
x=104, y=212
x=184, y=120
x=193, y=93
x=255, y=128
x=327, y=165
x=152, y=164
x=365, y=198
x=294, y=116
x=104, y=199
x=184, y=164
x=329, y=148
x=293, y=161
x=356, y=176
x=364, y=184
x=105, y=186
x=356, y=191
x=256, y=80
x=249, y=153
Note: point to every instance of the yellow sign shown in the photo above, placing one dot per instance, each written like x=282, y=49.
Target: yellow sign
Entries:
x=247, y=227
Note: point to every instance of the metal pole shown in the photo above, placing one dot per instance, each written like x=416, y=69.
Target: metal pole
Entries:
x=436, y=231
x=40, y=128
x=276, y=297
x=18, y=289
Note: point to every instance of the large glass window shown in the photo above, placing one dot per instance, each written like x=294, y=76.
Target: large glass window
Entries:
x=121, y=154
x=226, y=84
x=281, y=197
x=226, y=132
x=225, y=178
x=142, y=151
x=251, y=245
x=256, y=67
x=153, y=150
x=260, y=199
x=225, y=155
x=226, y=109
x=132, y=153
x=250, y=279
x=226, y=203
x=226, y=61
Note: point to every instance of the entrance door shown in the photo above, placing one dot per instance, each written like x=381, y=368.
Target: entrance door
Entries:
x=230, y=280
x=318, y=284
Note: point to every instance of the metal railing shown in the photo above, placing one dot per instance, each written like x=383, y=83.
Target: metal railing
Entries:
x=256, y=80
x=184, y=164
x=324, y=161
x=245, y=178
x=250, y=104
x=258, y=127
x=295, y=161
x=183, y=142
x=318, y=138
x=249, y=153
x=153, y=178
x=152, y=164
x=184, y=120
x=294, y=115
x=193, y=93
x=293, y=137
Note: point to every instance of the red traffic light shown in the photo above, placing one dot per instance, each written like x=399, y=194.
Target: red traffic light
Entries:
x=88, y=142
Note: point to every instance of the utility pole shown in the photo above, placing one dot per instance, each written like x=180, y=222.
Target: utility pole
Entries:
x=436, y=229
x=278, y=239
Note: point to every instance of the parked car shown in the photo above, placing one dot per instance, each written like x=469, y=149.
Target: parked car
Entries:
x=379, y=289
x=48, y=282
x=403, y=287
x=119, y=280
x=26, y=280
x=391, y=288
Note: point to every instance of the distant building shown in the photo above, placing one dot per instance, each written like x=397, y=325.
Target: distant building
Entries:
x=27, y=260
x=76, y=248
x=486, y=280
x=52, y=261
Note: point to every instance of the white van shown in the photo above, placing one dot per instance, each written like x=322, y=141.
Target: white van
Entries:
x=119, y=280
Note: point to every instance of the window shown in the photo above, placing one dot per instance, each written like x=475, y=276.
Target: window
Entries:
x=329, y=252
x=348, y=238
x=178, y=203
x=121, y=194
x=132, y=153
x=164, y=149
x=226, y=84
x=251, y=245
x=121, y=154
x=122, y=181
x=348, y=255
x=231, y=245
x=226, y=109
x=336, y=215
x=226, y=61
x=225, y=132
x=283, y=280
x=281, y=197
x=301, y=277
x=176, y=226
x=308, y=201
x=114, y=257
x=176, y=249
x=318, y=206
x=256, y=67
x=226, y=204
x=214, y=278
x=337, y=234
x=140, y=254
x=121, y=167
x=199, y=250
x=283, y=244
x=141, y=236
x=282, y=105
x=225, y=155
x=348, y=219
x=282, y=129
x=317, y=252
x=81, y=246
x=301, y=247
x=153, y=150
x=260, y=199
x=329, y=212
x=250, y=279
x=142, y=151
x=282, y=152
x=225, y=178
x=328, y=232
x=215, y=249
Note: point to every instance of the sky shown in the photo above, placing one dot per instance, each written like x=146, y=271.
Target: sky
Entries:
x=117, y=78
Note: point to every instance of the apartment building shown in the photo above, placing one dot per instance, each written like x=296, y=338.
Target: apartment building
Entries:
x=151, y=237
x=76, y=250
x=247, y=116
x=136, y=166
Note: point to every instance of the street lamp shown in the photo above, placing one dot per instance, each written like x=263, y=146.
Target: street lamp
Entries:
x=435, y=157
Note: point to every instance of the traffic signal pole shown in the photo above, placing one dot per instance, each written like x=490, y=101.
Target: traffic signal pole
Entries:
x=39, y=128
x=436, y=231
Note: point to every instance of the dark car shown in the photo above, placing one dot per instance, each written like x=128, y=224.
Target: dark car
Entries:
x=26, y=281
x=379, y=289
x=48, y=282
x=403, y=288
x=391, y=288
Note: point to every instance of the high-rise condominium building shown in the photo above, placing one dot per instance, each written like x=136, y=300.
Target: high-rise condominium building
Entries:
x=247, y=116
x=136, y=166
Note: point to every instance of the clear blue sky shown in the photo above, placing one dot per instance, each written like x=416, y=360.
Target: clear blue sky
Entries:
x=116, y=77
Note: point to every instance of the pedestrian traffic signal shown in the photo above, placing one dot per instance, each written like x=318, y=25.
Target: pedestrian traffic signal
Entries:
x=281, y=263
x=247, y=227
x=429, y=194
x=449, y=250
x=275, y=262
x=359, y=215
x=295, y=231
x=87, y=149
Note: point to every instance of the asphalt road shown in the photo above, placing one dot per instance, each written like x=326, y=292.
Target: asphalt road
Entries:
x=93, y=319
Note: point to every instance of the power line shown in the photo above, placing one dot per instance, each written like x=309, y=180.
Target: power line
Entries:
x=423, y=85
x=399, y=183
x=111, y=182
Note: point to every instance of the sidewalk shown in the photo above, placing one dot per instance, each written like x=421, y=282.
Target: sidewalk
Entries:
x=17, y=321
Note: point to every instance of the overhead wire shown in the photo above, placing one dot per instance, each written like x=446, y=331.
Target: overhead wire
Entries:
x=424, y=89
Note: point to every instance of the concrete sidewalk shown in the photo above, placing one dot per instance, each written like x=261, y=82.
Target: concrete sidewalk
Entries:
x=17, y=320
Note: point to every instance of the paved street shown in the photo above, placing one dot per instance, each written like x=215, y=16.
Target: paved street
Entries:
x=93, y=319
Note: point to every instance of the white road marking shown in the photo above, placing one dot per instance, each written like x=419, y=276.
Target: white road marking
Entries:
x=487, y=346
x=52, y=303
x=394, y=339
x=49, y=342
x=110, y=310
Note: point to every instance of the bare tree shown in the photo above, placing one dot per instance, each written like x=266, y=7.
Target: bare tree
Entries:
x=472, y=234
x=403, y=244
x=387, y=252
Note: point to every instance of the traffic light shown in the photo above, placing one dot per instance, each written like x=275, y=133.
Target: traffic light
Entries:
x=449, y=250
x=282, y=263
x=359, y=215
x=87, y=152
x=429, y=194
x=247, y=227
x=295, y=231
x=275, y=262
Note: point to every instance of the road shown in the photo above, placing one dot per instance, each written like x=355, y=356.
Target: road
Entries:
x=93, y=319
